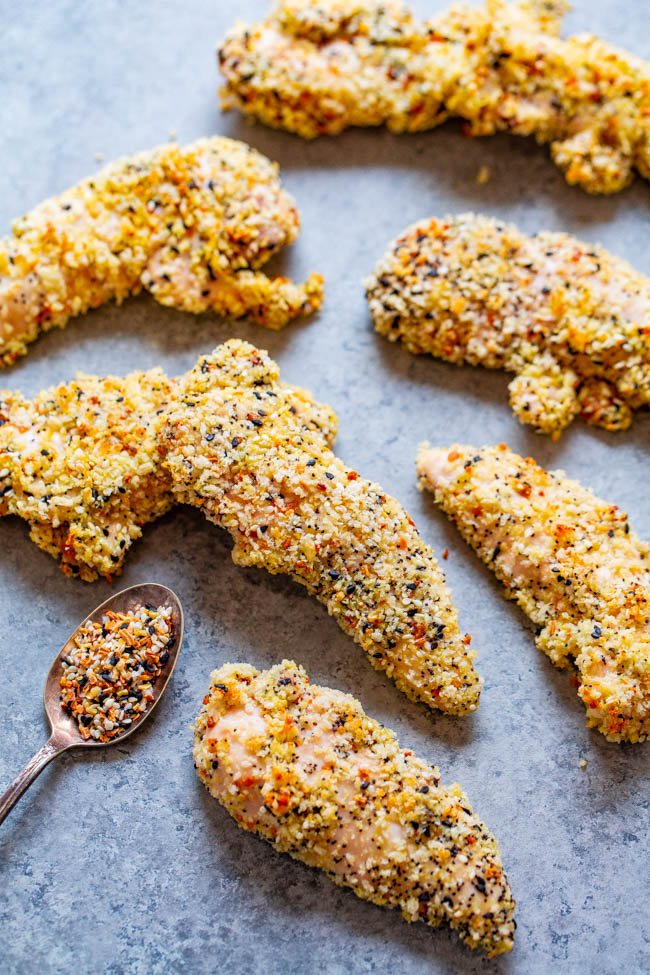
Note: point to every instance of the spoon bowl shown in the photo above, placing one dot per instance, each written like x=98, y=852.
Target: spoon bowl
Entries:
x=65, y=733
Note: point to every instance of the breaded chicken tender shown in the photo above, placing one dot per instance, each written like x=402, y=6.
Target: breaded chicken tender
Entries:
x=319, y=66
x=192, y=225
x=588, y=99
x=571, y=562
x=80, y=463
x=242, y=448
x=305, y=767
x=569, y=319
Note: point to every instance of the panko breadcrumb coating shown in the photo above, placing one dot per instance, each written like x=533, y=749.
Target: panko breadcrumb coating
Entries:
x=80, y=463
x=192, y=225
x=305, y=767
x=319, y=66
x=588, y=99
x=569, y=319
x=572, y=564
x=242, y=448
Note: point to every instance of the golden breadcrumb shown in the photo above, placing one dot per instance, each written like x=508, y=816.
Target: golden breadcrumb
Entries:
x=81, y=465
x=318, y=66
x=570, y=561
x=242, y=448
x=588, y=99
x=191, y=225
x=569, y=319
x=305, y=767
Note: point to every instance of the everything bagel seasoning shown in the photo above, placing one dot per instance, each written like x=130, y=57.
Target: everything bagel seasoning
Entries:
x=107, y=681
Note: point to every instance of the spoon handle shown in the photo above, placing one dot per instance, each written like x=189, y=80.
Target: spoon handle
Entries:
x=34, y=767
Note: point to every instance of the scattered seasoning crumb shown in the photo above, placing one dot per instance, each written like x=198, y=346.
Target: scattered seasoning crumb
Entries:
x=445, y=554
x=107, y=681
x=583, y=763
x=483, y=175
x=99, y=156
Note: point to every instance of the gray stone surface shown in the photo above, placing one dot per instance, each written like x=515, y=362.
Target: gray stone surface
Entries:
x=119, y=862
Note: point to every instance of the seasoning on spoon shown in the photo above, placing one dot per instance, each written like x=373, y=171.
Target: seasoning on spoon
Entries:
x=107, y=679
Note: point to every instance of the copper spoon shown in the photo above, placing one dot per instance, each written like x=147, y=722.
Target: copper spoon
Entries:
x=65, y=732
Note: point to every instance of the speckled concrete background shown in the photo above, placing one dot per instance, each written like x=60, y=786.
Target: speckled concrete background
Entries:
x=119, y=862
